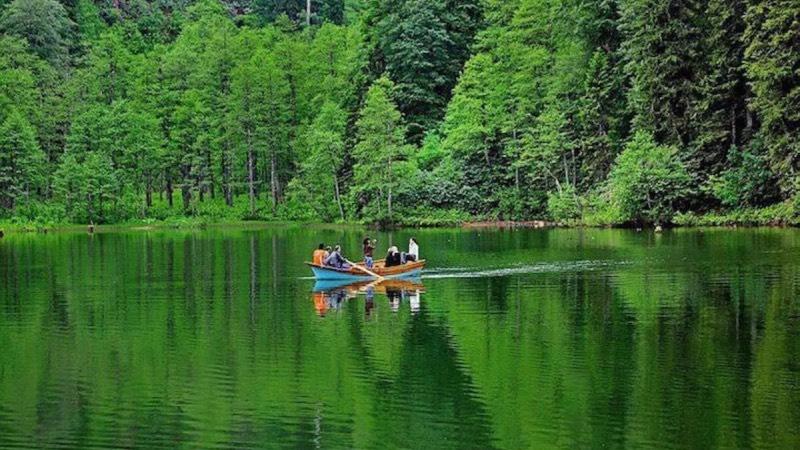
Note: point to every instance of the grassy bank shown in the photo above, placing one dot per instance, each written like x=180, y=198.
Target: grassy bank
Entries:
x=782, y=214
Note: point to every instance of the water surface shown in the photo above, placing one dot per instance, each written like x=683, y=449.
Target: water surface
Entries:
x=514, y=339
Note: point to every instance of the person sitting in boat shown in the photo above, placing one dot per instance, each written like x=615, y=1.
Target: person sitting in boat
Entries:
x=392, y=257
x=336, y=260
x=413, y=250
x=319, y=255
x=369, y=246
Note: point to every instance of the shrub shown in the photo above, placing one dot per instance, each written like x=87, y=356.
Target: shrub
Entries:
x=648, y=180
x=564, y=204
x=599, y=210
x=749, y=180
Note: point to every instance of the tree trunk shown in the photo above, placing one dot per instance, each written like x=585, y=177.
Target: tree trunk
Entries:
x=273, y=182
x=186, y=193
x=148, y=193
x=226, y=174
x=389, y=202
x=251, y=173
x=89, y=209
x=338, y=196
x=169, y=191
x=209, y=165
x=308, y=13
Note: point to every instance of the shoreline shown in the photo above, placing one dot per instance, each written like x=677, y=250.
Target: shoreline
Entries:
x=189, y=225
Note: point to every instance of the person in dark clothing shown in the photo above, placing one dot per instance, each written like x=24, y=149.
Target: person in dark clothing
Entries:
x=393, y=257
x=369, y=247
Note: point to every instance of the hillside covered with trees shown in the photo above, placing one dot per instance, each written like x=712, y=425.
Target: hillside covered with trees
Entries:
x=403, y=111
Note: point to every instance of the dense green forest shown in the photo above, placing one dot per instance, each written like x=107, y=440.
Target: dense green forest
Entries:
x=404, y=111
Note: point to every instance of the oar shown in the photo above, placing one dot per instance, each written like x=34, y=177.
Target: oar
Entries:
x=364, y=269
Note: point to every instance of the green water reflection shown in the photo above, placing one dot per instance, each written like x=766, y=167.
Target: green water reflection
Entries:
x=513, y=339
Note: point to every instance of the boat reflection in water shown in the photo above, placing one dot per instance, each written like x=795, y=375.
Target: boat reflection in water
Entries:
x=331, y=295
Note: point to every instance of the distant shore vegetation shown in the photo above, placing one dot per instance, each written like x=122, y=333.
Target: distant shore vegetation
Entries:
x=400, y=112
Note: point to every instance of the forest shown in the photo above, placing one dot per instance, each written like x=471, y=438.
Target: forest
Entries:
x=410, y=112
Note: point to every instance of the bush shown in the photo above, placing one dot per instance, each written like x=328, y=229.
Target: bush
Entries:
x=38, y=212
x=564, y=205
x=749, y=180
x=783, y=213
x=599, y=210
x=431, y=217
x=648, y=181
x=297, y=210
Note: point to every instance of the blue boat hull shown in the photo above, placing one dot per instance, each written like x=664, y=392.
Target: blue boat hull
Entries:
x=336, y=275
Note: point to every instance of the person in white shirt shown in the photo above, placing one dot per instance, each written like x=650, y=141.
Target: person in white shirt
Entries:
x=413, y=250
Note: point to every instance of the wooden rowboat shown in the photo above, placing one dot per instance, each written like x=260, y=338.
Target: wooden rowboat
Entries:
x=407, y=270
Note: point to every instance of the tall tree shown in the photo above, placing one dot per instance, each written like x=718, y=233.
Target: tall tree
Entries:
x=321, y=10
x=45, y=24
x=664, y=56
x=85, y=184
x=22, y=162
x=325, y=142
x=260, y=95
x=772, y=59
x=380, y=153
x=424, y=46
x=723, y=119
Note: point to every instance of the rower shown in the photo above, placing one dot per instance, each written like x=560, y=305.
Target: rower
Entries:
x=369, y=246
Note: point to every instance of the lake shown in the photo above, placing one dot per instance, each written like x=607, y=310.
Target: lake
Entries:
x=512, y=339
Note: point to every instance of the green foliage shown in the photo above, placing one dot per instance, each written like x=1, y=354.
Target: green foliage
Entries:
x=564, y=204
x=320, y=184
x=783, y=213
x=295, y=10
x=22, y=162
x=44, y=24
x=86, y=186
x=748, y=180
x=381, y=153
x=422, y=46
x=600, y=210
x=772, y=58
x=663, y=51
x=648, y=181
x=231, y=110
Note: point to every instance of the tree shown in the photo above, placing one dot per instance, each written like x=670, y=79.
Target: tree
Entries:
x=190, y=127
x=424, y=46
x=772, y=58
x=648, y=180
x=380, y=153
x=336, y=71
x=35, y=89
x=44, y=24
x=723, y=120
x=85, y=184
x=324, y=141
x=22, y=162
x=662, y=45
x=139, y=135
x=321, y=10
x=260, y=96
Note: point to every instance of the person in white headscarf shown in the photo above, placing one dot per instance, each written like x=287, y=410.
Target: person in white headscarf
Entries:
x=413, y=250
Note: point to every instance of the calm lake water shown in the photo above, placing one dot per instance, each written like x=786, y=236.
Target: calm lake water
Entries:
x=514, y=339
